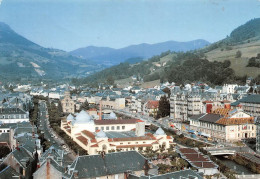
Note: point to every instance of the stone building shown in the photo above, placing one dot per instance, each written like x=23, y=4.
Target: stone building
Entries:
x=224, y=125
x=68, y=105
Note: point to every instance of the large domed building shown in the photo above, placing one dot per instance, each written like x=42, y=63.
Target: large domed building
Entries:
x=112, y=134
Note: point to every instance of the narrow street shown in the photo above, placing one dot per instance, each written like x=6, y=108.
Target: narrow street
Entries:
x=50, y=135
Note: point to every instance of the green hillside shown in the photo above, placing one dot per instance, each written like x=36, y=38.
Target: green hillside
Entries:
x=225, y=61
x=21, y=58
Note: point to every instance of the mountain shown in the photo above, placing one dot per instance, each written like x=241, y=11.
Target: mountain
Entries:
x=217, y=63
x=249, y=30
x=110, y=56
x=21, y=58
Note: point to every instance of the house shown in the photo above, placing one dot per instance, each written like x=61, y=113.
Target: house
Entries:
x=51, y=164
x=151, y=108
x=183, y=174
x=199, y=161
x=112, y=165
x=13, y=115
x=224, y=125
x=251, y=104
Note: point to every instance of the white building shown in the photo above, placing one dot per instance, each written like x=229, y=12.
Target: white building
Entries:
x=13, y=115
x=112, y=135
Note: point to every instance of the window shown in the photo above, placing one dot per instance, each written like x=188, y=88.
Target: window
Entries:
x=113, y=128
x=102, y=128
x=136, y=142
x=123, y=127
x=118, y=127
x=107, y=128
x=238, y=135
x=129, y=142
x=96, y=128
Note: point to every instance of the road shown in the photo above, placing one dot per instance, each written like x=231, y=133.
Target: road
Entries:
x=50, y=135
x=164, y=122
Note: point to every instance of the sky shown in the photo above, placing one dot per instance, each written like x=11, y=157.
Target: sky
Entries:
x=71, y=24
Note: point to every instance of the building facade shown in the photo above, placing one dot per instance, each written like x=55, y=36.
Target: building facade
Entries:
x=68, y=105
x=224, y=125
x=113, y=135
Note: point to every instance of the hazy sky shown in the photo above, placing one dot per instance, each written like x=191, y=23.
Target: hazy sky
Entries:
x=70, y=24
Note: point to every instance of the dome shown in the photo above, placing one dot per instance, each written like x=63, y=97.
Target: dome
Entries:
x=83, y=117
x=160, y=132
x=112, y=115
x=70, y=117
x=101, y=134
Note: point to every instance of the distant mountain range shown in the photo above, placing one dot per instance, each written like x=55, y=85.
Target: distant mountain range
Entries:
x=245, y=39
x=21, y=58
x=109, y=56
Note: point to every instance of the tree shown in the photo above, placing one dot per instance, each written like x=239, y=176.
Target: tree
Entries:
x=238, y=54
x=164, y=107
x=168, y=91
x=84, y=106
x=110, y=80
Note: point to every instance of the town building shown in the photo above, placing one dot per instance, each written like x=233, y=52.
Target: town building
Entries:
x=51, y=164
x=115, y=165
x=251, y=104
x=68, y=105
x=224, y=125
x=151, y=108
x=13, y=115
x=199, y=161
x=113, y=135
x=257, y=123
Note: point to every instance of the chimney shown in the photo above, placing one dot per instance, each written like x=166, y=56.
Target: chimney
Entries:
x=38, y=165
x=100, y=110
x=24, y=172
x=103, y=153
x=140, y=128
x=76, y=174
x=48, y=168
x=17, y=145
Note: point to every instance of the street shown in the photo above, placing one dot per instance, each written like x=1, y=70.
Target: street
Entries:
x=51, y=136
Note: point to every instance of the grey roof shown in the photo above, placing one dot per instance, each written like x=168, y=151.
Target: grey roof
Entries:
x=212, y=118
x=253, y=98
x=183, y=174
x=4, y=137
x=12, y=111
x=112, y=163
x=22, y=156
x=8, y=173
x=120, y=134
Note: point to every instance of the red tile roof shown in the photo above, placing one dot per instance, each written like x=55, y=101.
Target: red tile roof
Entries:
x=95, y=145
x=169, y=137
x=83, y=140
x=187, y=150
x=88, y=133
x=196, y=159
x=152, y=104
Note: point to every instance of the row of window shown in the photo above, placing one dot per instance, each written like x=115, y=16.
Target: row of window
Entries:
x=17, y=116
x=110, y=128
x=246, y=135
x=4, y=131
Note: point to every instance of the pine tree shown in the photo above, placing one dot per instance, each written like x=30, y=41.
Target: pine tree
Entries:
x=164, y=107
